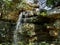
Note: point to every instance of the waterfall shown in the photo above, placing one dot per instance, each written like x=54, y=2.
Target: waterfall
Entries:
x=18, y=27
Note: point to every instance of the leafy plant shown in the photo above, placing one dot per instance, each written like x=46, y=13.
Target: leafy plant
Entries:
x=53, y=3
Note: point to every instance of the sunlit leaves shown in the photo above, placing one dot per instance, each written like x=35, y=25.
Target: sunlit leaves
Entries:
x=7, y=2
x=43, y=12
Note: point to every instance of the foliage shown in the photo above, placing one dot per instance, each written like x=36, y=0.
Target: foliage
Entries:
x=53, y=3
x=7, y=28
x=7, y=6
x=23, y=4
x=43, y=12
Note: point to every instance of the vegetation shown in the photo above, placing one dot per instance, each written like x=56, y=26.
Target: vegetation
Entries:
x=53, y=3
x=39, y=25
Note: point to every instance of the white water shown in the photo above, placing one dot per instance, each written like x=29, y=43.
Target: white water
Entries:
x=18, y=27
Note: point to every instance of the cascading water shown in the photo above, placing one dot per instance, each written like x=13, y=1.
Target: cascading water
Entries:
x=18, y=27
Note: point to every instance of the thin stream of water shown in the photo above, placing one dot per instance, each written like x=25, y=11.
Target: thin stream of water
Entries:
x=18, y=27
